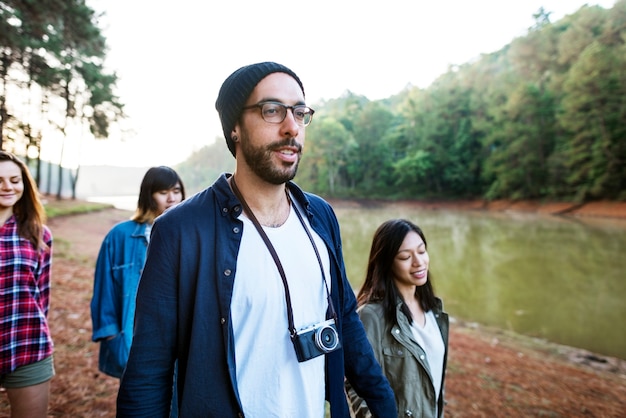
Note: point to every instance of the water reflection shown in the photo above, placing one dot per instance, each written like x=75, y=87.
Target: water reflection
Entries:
x=557, y=278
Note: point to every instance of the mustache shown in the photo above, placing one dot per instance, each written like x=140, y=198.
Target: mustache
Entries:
x=289, y=142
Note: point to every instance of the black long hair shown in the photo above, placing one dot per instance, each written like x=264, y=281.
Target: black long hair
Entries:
x=379, y=282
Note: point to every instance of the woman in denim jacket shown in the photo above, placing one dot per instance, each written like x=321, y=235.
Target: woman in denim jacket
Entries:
x=404, y=321
x=119, y=265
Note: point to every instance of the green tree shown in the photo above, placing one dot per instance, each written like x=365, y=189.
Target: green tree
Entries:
x=439, y=123
x=368, y=161
x=519, y=162
x=328, y=144
x=204, y=166
x=57, y=47
x=594, y=116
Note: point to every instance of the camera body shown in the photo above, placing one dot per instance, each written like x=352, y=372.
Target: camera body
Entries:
x=315, y=340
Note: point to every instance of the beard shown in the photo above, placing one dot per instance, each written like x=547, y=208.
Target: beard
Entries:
x=259, y=159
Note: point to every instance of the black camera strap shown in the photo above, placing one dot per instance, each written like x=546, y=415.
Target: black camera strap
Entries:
x=270, y=247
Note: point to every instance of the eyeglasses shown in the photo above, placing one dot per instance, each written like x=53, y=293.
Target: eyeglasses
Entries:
x=276, y=112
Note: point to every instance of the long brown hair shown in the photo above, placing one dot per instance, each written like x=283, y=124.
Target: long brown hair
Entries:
x=29, y=212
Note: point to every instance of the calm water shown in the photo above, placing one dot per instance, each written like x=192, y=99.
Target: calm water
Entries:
x=556, y=278
x=120, y=202
x=562, y=279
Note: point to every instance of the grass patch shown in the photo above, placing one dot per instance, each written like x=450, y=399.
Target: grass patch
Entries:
x=72, y=207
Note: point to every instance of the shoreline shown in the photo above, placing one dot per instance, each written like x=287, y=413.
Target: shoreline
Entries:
x=491, y=371
x=599, y=209
x=600, y=213
x=567, y=354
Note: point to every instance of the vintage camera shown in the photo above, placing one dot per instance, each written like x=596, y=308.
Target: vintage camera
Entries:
x=318, y=339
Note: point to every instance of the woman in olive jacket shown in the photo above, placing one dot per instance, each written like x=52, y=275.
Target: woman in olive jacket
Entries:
x=404, y=321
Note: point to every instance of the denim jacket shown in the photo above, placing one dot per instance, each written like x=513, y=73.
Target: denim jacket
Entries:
x=118, y=269
x=183, y=313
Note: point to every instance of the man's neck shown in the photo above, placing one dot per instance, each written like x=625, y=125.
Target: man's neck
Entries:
x=268, y=202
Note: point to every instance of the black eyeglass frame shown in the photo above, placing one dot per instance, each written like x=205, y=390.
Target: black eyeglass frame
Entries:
x=284, y=106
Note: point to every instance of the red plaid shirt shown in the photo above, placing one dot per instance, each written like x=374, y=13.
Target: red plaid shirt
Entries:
x=24, y=299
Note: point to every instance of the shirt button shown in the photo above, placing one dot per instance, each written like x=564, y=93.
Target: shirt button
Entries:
x=224, y=210
x=397, y=331
x=236, y=230
x=421, y=356
x=223, y=321
x=227, y=272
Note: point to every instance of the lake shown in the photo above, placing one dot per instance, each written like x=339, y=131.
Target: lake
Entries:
x=125, y=202
x=557, y=278
x=562, y=279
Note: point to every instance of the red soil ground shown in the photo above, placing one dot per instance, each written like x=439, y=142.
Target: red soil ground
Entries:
x=491, y=373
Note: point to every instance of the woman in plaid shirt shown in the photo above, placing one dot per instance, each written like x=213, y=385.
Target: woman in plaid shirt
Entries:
x=26, y=365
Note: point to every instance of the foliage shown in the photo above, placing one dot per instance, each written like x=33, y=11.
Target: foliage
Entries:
x=594, y=114
x=205, y=165
x=327, y=148
x=543, y=118
x=52, y=53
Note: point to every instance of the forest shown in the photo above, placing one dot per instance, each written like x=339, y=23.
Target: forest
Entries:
x=543, y=118
x=53, y=80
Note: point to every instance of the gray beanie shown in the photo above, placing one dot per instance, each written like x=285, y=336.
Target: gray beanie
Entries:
x=237, y=88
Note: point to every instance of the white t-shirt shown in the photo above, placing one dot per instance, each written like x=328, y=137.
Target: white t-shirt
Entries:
x=270, y=380
x=430, y=339
x=148, y=231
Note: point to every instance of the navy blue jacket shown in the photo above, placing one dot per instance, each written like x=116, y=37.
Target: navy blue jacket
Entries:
x=183, y=312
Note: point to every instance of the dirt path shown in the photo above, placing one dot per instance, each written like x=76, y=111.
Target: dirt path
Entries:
x=490, y=373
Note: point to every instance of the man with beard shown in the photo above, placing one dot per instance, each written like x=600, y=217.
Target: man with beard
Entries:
x=244, y=283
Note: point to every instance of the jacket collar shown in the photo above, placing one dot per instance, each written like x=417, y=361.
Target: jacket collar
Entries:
x=231, y=205
x=140, y=230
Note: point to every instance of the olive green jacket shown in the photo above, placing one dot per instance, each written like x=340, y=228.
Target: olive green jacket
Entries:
x=403, y=361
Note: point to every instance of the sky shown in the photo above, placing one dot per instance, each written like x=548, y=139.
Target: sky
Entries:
x=171, y=57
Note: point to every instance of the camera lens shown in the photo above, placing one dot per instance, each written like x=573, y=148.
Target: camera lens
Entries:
x=326, y=338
